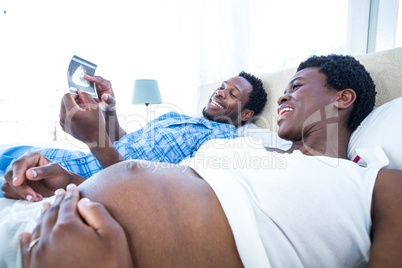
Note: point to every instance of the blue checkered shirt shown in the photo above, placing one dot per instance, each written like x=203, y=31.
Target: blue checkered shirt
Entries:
x=169, y=138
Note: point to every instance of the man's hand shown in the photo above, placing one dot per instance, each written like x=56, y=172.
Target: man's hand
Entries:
x=33, y=176
x=81, y=117
x=105, y=92
x=108, y=104
x=75, y=233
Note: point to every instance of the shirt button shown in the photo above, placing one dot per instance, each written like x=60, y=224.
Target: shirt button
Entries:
x=82, y=161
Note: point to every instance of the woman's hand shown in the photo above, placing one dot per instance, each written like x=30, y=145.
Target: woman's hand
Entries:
x=75, y=233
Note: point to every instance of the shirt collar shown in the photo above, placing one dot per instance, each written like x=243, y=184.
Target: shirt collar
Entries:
x=211, y=124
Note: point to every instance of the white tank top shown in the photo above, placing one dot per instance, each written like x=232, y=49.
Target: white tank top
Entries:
x=292, y=210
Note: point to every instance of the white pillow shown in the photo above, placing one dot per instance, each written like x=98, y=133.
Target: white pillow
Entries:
x=383, y=127
x=264, y=136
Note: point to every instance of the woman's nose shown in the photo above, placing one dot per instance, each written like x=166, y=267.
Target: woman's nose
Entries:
x=283, y=98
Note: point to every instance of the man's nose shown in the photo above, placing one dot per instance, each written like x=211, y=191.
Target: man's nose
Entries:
x=221, y=93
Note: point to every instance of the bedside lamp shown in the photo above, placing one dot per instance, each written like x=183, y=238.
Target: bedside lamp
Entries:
x=146, y=91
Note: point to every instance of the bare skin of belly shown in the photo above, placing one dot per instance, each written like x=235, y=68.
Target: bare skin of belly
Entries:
x=171, y=216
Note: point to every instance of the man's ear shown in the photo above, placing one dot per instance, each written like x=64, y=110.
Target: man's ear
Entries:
x=246, y=114
x=345, y=98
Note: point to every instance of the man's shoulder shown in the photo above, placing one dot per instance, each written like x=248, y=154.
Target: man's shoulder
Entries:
x=173, y=114
x=181, y=117
x=198, y=120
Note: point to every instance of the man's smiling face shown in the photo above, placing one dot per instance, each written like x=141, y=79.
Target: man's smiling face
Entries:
x=227, y=102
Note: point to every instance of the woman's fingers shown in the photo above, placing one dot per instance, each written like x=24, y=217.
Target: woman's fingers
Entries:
x=25, y=240
x=67, y=211
x=49, y=217
x=97, y=217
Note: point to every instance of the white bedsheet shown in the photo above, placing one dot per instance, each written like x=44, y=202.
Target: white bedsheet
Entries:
x=16, y=217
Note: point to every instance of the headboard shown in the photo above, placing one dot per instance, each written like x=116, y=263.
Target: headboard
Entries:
x=385, y=68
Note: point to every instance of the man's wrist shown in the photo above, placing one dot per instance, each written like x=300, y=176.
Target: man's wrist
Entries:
x=110, y=110
x=107, y=155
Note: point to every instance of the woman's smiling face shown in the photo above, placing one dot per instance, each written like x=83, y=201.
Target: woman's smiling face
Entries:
x=306, y=95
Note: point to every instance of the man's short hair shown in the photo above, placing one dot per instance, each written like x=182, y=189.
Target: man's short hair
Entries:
x=344, y=72
x=258, y=96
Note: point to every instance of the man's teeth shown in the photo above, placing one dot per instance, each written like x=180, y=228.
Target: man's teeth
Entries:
x=216, y=104
x=285, y=110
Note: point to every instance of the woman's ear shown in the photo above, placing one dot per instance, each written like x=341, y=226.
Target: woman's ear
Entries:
x=345, y=98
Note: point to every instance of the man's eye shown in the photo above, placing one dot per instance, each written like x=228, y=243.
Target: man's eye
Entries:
x=231, y=94
x=295, y=87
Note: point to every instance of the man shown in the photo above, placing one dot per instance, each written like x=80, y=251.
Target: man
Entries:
x=169, y=138
x=320, y=210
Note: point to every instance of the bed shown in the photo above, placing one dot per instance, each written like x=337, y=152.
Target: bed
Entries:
x=379, y=129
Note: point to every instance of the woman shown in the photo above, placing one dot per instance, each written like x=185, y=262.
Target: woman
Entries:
x=314, y=209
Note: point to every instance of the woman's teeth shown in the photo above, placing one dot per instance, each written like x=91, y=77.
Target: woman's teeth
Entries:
x=285, y=110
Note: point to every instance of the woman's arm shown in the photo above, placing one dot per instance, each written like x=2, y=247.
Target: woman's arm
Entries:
x=387, y=220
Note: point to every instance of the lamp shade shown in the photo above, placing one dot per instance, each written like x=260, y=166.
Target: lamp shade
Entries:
x=146, y=91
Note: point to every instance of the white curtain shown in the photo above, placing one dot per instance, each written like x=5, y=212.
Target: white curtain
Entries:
x=181, y=43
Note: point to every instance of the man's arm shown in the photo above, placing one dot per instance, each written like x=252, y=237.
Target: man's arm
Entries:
x=106, y=154
x=81, y=117
x=107, y=103
x=386, y=230
x=113, y=128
